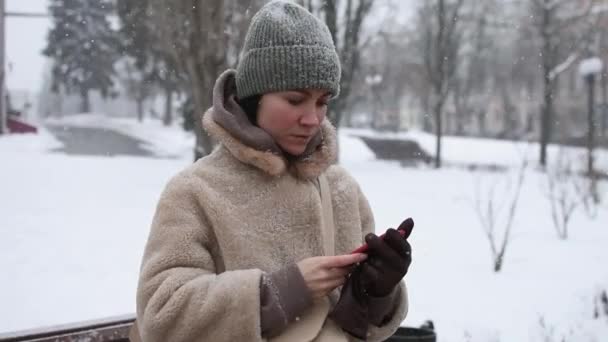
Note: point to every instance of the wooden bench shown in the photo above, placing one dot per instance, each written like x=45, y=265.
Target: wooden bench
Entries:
x=107, y=329
x=396, y=149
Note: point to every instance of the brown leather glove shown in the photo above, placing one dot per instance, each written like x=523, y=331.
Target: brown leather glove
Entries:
x=351, y=312
x=373, y=279
x=387, y=264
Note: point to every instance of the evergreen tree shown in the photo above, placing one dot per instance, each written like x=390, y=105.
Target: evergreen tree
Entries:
x=141, y=41
x=135, y=40
x=136, y=31
x=83, y=47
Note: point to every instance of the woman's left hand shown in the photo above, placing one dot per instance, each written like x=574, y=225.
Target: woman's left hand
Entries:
x=387, y=264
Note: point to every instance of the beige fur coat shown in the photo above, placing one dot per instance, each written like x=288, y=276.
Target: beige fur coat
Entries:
x=231, y=217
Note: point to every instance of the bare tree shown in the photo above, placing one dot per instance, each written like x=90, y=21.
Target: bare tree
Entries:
x=196, y=32
x=482, y=71
x=554, y=21
x=488, y=205
x=562, y=191
x=592, y=197
x=600, y=304
x=345, y=28
x=603, y=50
x=441, y=38
x=588, y=190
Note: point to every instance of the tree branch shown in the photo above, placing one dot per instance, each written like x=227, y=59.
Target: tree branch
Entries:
x=563, y=66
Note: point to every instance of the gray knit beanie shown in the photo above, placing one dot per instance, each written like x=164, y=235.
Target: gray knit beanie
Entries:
x=287, y=48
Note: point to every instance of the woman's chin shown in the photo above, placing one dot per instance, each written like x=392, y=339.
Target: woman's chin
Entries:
x=294, y=149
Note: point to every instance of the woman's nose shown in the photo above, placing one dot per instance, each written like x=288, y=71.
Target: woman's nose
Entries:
x=310, y=118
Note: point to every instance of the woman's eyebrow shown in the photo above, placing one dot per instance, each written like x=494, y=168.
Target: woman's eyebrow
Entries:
x=303, y=92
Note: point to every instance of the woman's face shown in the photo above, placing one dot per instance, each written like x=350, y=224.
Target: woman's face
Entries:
x=292, y=118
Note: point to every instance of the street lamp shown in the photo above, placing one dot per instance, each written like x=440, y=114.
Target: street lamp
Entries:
x=588, y=69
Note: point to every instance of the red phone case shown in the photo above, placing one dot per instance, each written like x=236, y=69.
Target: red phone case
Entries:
x=405, y=229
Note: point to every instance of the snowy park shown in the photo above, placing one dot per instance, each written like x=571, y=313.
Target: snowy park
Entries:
x=484, y=121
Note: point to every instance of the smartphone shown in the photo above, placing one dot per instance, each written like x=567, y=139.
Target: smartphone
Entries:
x=405, y=229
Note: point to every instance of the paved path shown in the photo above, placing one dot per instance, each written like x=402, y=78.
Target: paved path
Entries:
x=97, y=142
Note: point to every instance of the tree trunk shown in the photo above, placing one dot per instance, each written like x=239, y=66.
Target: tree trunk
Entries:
x=85, y=104
x=498, y=262
x=201, y=95
x=590, y=123
x=603, y=50
x=481, y=122
x=168, y=115
x=547, y=107
x=427, y=117
x=202, y=102
x=329, y=7
x=206, y=60
x=555, y=22
x=459, y=108
x=547, y=55
x=604, y=113
x=140, y=109
x=440, y=81
x=509, y=128
x=438, y=132
x=546, y=121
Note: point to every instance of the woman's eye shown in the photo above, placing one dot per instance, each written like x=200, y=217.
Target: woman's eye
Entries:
x=323, y=103
x=295, y=102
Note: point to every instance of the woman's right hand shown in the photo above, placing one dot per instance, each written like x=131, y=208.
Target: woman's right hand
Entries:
x=322, y=274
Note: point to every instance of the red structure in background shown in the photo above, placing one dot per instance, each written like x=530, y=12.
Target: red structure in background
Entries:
x=17, y=126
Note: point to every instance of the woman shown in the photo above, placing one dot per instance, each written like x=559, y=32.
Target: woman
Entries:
x=239, y=249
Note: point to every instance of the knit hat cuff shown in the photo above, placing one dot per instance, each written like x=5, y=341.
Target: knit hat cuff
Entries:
x=282, y=68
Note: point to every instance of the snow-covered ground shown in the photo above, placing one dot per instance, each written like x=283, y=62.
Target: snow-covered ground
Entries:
x=73, y=228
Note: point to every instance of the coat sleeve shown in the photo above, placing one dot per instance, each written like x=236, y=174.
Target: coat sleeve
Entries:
x=179, y=296
x=395, y=313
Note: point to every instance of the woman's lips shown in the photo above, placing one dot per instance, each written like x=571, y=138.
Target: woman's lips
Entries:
x=301, y=138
